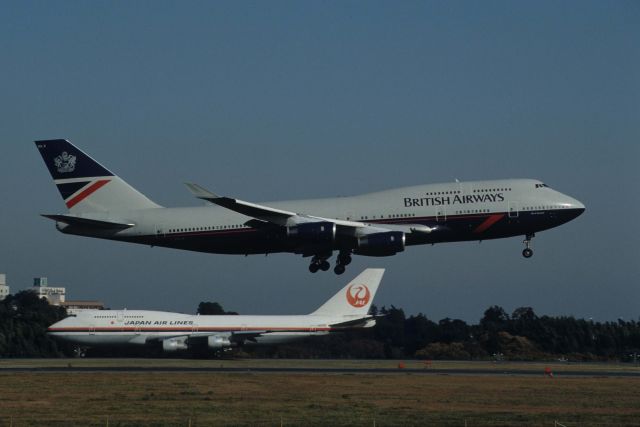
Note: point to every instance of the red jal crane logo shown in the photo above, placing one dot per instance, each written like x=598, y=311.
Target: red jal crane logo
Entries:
x=358, y=295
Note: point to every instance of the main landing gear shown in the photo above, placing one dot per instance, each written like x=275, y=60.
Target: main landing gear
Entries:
x=344, y=259
x=320, y=263
x=528, y=252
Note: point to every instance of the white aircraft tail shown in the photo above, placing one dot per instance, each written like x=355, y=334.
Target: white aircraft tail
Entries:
x=355, y=298
x=84, y=184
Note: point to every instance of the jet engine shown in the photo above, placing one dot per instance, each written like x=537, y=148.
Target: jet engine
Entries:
x=175, y=344
x=322, y=231
x=218, y=342
x=381, y=244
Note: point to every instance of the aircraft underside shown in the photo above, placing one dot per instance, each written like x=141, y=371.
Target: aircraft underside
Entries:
x=454, y=228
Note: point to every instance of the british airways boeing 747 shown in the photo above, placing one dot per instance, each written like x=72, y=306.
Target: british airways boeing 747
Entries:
x=102, y=205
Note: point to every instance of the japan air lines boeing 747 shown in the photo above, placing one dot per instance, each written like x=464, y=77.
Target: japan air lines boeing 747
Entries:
x=348, y=309
x=383, y=223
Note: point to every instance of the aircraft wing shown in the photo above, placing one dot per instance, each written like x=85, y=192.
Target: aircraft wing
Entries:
x=233, y=336
x=288, y=219
x=252, y=335
x=253, y=210
x=262, y=212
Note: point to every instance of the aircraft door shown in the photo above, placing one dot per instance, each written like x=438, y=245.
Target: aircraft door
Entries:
x=513, y=210
x=160, y=231
x=441, y=214
x=92, y=330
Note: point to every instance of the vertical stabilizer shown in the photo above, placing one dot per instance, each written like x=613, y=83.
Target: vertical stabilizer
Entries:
x=355, y=298
x=84, y=184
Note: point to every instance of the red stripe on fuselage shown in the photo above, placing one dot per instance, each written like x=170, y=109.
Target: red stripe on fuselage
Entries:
x=87, y=192
x=189, y=329
x=492, y=219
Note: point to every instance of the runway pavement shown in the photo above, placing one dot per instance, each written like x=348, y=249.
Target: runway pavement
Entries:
x=322, y=370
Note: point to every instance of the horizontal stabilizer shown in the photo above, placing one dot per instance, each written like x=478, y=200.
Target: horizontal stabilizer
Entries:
x=363, y=322
x=86, y=222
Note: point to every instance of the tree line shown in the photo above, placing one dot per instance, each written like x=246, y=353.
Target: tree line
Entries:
x=24, y=319
x=522, y=335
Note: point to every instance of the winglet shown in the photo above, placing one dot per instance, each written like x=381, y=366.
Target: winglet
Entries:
x=200, y=192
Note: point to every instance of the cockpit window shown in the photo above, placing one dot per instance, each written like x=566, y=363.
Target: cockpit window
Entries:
x=541, y=185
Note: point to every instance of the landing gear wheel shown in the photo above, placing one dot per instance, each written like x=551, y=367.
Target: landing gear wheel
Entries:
x=313, y=267
x=324, y=265
x=339, y=269
x=527, y=252
x=344, y=259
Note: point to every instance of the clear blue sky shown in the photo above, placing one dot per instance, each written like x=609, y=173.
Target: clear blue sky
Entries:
x=280, y=100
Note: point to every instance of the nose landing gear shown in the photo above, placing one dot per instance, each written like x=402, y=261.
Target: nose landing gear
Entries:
x=528, y=252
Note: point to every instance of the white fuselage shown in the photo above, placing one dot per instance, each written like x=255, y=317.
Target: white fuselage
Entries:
x=475, y=210
x=121, y=327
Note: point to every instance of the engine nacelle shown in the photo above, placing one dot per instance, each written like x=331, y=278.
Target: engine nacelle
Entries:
x=322, y=231
x=381, y=244
x=217, y=342
x=175, y=344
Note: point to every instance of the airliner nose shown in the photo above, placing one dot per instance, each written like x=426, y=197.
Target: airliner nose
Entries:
x=573, y=208
x=53, y=327
x=577, y=205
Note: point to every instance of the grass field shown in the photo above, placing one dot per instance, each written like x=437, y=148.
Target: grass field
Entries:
x=203, y=399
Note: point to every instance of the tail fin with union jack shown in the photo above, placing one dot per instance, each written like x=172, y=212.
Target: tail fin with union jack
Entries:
x=84, y=184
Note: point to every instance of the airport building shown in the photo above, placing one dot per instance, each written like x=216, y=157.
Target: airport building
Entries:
x=54, y=294
x=75, y=307
x=4, y=288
